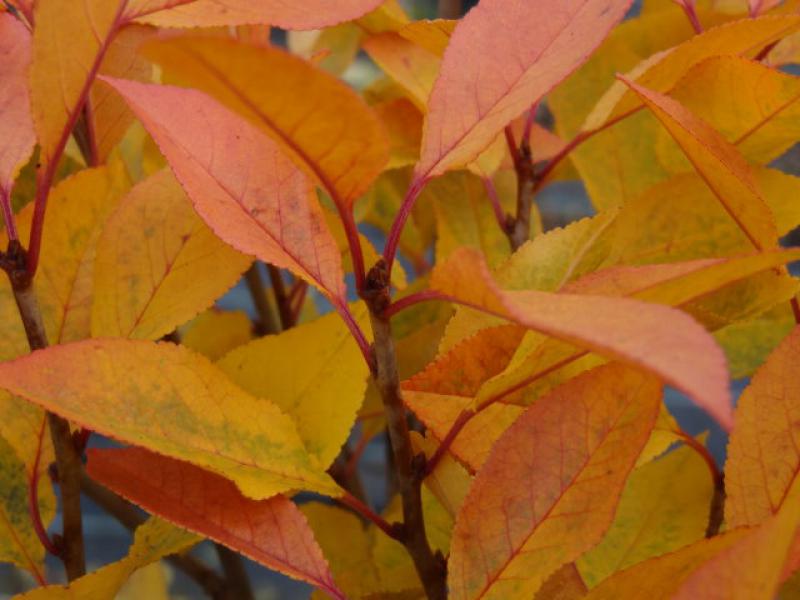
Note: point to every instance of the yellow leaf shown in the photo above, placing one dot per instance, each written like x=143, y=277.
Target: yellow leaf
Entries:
x=77, y=210
x=720, y=165
x=148, y=582
x=340, y=143
x=661, y=575
x=174, y=402
x=18, y=541
x=433, y=36
x=748, y=343
x=680, y=219
x=545, y=263
x=110, y=116
x=332, y=49
x=449, y=482
x=158, y=264
x=403, y=122
x=314, y=372
x=347, y=546
x=464, y=217
x=664, y=507
x=760, y=111
x=215, y=332
x=69, y=41
x=743, y=38
x=410, y=65
x=153, y=540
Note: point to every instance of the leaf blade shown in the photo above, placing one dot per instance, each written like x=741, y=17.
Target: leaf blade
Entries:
x=153, y=250
x=269, y=213
x=607, y=426
x=463, y=117
x=272, y=532
x=650, y=329
x=174, y=402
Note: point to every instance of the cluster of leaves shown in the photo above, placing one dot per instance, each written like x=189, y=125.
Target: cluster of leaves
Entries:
x=170, y=146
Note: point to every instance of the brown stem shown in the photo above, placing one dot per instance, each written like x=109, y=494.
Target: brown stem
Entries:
x=281, y=298
x=430, y=567
x=450, y=9
x=235, y=573
x=519, y=227
x=71, y=548
x=266, y=320
x=130, y=518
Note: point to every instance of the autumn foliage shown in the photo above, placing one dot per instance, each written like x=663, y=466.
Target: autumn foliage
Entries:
x=407, y=289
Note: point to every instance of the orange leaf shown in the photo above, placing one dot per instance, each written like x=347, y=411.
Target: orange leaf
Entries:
x=551, y=485
x=240, y=182
x=503, y=57
x=657, y=338
x=308, y=14
x=763, y=453
x=339, y=142
x=720, y=165
x=16, y=126
x=272, y=532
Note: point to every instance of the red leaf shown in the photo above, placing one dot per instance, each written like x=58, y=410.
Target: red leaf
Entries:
x=16, y=124
x=272, y=532
x=240, y=182
x=503, y=57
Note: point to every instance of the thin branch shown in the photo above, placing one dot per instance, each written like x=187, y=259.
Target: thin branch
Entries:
x=691, y=14
x=355, y=330
x=71, y=549
x=47, y=176
x=8, y=216
x=356, y=505
x=716, y=511
x=281, y=299
x=297, y=297
x=130, y=518
x=518, y=229
x=415, y=298
x=450, y=9
x=409, y=468
x=795, y=310
x=579, y=139
x=463, y=418
x=393, y=239
x=235, y=573
x=33, y=498
x=85, y=137
x=502, y=218
x=266, y=320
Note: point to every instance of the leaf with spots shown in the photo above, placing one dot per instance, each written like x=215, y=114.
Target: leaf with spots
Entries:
x=158, y=264
x=172, y=401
